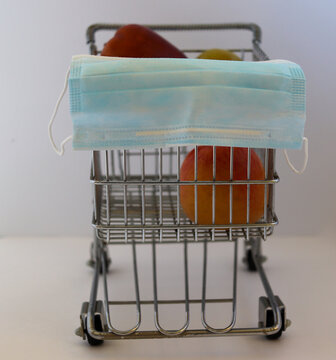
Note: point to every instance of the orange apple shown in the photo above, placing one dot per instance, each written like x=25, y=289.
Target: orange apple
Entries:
x=222, y=192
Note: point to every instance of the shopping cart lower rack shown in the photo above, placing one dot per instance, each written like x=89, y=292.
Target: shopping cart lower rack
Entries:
x=137, y=203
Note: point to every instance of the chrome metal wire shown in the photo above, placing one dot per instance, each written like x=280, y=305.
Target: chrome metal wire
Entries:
x=265, y=190
x=121, y=219
x=155, y=295
x=234, y=296
x=248, y=193
x=137, y=295
x=213, y=191
x=196, y=190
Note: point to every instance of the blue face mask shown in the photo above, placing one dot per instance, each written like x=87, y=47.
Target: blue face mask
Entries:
x=131, y=103
x=139, y=103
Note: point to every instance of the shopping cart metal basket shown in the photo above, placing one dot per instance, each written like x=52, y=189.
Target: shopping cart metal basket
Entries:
x=136, y=202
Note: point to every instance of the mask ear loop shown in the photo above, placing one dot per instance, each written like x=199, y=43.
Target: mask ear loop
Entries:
x=305, y=140
x=60, y=151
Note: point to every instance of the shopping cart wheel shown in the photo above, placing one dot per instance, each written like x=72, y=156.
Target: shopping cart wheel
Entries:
x=266, y=318
x=98, y=326
x=270, y=322
x=251, y=266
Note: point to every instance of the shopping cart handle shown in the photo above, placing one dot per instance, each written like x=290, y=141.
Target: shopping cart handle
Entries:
x=92, y=29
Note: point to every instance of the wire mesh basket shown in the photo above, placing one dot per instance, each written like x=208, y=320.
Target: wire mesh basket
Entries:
x=137, y=201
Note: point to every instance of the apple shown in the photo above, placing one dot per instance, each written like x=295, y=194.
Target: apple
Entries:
x=140, y=42
x=222, y=192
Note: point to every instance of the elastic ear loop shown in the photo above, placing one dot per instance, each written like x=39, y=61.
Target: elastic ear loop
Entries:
x=60, y=151
x=305, y=140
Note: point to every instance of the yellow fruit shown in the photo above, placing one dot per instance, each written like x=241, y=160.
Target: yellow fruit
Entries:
x=218, y=54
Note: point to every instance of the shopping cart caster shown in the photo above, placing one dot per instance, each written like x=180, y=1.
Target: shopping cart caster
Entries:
x=251, y=266
x=92, y=261
x=98, y=324
x=266, y=318
x=249, y=261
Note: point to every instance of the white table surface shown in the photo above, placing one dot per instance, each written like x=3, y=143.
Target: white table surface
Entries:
x=45, y=280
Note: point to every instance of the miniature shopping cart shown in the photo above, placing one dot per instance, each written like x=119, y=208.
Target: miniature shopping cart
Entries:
x=136, y=202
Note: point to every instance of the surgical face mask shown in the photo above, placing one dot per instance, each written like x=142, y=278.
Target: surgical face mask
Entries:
x=139, y=103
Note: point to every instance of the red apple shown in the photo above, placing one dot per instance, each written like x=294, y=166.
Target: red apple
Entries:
x=140, y=42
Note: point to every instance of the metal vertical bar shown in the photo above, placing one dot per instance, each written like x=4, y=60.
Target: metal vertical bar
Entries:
x=160, y=189
x=129, y=163
x=271, y=172
x=231, y=190
x=242, y=54
x=137, y=296
x=205, y=259
x=234, y=294
x=213, y=191
x=92, y=170
x=112, y=163
x=107, y=165
x=125, y=194
x=93, y=296
x=108, y=217
x=155, y=294
x=172, y=205
x=143, y=217
x=171, y=161
x=265, y=193
x=120, y=164
x=93, y=176
x=178, y=192
x=248, y=193
x=234, y=303
x=154, y=261
x=195, y=188
x=136, y=278
x=98, y=191
x=156, y=310
x=186, y=283
x=156, y=162
x=272, y=175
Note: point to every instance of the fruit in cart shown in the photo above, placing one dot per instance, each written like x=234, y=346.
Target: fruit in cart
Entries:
x=222, y=192
x=138, y=41
x=218, y=54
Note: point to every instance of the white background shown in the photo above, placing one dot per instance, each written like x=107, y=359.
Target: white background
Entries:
x=42, y=194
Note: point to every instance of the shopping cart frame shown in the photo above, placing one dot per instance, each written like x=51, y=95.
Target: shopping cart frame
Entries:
x=113, y=224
